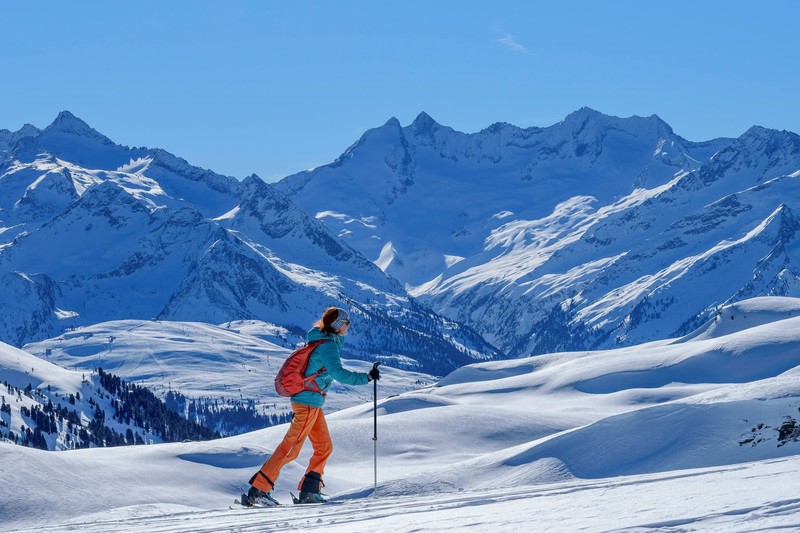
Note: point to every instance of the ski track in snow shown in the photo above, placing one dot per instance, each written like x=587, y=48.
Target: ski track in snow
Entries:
x=749, y=497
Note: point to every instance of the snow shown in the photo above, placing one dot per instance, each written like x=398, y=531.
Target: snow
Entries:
x=677, y=434
x=744, y=498
x=386, y=257
x=236, y=361
x=451, y=260
x=20, y=368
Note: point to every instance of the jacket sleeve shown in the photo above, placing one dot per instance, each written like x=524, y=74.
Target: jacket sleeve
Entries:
x=333, y=364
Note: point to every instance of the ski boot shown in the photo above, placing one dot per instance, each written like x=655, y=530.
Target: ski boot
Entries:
x=311, y=490
x=259, y=497
x=310, y=497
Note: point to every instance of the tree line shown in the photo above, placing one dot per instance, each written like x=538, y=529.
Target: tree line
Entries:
x=86, y=425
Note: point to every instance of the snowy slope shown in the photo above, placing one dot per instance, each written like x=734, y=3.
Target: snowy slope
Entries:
x=226, y=367
x=592, y=441
x=49, y=407
x=593, y=233
x=92, y=231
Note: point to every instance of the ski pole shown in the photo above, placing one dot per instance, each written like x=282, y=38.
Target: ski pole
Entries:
x=375, y=420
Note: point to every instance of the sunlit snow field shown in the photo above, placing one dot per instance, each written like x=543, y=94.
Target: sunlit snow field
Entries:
x=674, y=435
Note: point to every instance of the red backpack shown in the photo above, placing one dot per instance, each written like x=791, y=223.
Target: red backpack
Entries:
x=291, y=377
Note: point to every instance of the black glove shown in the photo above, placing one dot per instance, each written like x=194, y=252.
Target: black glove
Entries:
x=374, y=374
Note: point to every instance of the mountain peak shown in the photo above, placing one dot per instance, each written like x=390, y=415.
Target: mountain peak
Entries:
x=760, y=132
x=423, y=122
x=65, y=119
x=635, y=124
x=393, y=122
x=28, y=130
x=253, y=186
x=583, y=114
x=11, y=137
x=68, y=123
x=578, y=121
x=770, y=141
x=500, y=127
x=660, y=123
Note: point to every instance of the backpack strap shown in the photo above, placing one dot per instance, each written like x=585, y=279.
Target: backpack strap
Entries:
x=310, y=382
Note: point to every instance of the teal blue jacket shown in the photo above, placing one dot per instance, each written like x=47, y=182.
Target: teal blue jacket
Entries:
x=327, y=355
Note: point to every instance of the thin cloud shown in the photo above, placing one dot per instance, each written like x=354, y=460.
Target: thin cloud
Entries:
x=509, y=42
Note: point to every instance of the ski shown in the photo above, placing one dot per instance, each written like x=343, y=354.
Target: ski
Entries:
x=242, y=502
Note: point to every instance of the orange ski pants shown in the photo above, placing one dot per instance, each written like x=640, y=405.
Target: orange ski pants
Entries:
x=307, y=422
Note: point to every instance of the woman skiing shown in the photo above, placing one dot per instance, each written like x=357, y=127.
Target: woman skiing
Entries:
x=309, y=420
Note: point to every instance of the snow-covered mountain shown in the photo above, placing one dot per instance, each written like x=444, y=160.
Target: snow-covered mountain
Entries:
x=91, y=231
x=595, y=232
x=699, y=432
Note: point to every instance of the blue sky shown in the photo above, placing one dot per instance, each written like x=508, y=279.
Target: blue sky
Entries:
x=278, y=87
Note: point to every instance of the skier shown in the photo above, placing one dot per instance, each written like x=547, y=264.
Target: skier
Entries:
x=309, y=420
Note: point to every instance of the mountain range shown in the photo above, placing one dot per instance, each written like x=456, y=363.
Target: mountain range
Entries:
x=595, y=232
x=93, y=231
x=449, y=247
